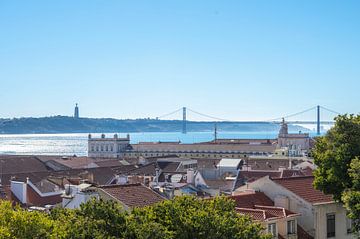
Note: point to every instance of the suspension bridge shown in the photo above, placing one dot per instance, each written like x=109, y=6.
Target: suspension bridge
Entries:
x=318, y=122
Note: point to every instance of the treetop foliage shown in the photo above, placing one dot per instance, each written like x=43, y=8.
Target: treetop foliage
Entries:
x=337, y=156
x=182, y=217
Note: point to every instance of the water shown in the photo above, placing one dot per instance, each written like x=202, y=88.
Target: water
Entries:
x=70, y=144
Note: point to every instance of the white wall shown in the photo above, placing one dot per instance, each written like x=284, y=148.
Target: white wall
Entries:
x=296, y=204
x=340, y=221
x=19, y=190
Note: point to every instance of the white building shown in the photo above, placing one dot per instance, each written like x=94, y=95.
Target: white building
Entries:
x=75, y=195
x=108, y=147
x=295, y=144
x=321, y=217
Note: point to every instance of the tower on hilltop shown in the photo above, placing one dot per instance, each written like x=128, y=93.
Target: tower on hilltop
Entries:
x=76, y=112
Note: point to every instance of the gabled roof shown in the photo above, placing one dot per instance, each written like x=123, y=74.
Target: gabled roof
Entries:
x=148, y=170
x=277, y=211
x=256, y=214
x=259, y=207
x=250, y=199
x=303, y=187
x=168, y=166
x=262, y=213
x=132, y=195
x=10, y=164
x=287, y=173
x=252, y=175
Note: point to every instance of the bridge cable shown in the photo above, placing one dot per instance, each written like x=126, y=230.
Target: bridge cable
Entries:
x=207, y=116
x=292, y=115
x=329, y=110
x=168, y=114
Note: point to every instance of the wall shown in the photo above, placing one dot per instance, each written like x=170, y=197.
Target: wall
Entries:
x=340, y=221
x=19, y=190
x=296, y=204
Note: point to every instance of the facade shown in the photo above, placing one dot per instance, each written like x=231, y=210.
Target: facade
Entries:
x=295, y=144
x=75, y=195
x=321, y=217
x=121, y=148
x=108, y=147
x=28, y=194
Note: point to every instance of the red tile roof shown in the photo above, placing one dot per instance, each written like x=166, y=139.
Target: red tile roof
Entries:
x=132, y=195
x=259, y=207
x=276, y=211
x=250, y=199
x=264, y=213
x=256, y=214
x=287, y=173
x=303, y=187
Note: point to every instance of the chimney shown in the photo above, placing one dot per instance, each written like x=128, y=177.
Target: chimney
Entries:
x=157, y=174
x=190, y=176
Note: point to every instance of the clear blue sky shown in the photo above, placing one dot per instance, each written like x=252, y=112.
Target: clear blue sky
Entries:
x=127, y=59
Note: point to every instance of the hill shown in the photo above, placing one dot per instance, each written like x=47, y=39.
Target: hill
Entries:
x=65, y=124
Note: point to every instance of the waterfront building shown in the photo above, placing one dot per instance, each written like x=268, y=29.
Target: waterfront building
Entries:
x=108, y=147
x=293, y=144
x=121, y=148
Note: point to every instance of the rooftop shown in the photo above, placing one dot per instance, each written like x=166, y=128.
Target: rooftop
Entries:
x=303, y=187
x=133, y=195
x=229, y=162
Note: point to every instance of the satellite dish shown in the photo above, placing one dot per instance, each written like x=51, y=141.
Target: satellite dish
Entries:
x=176, y=178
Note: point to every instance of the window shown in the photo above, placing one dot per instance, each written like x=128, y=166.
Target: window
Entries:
x=272, y=229
x=349, y=225
x=291, y=227
x=330, y=225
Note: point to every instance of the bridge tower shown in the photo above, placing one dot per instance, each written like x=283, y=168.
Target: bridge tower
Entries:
x=318, y=120
x=184, y=121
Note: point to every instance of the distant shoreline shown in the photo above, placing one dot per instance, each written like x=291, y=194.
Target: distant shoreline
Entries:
x=65, y=124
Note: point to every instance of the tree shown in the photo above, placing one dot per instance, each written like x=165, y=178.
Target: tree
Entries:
x=182, y=217
x=189, y=217
x=94, y=219
x=18, y=223
x=337, y=156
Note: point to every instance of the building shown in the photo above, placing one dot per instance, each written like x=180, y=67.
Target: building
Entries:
x=321, y=217
x=35, y=194
x=121, y=148
x=108, y=147
x=277, y=221
x=295, y=144
x=130, y=195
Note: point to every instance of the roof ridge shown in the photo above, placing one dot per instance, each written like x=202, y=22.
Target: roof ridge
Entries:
x=293, y=178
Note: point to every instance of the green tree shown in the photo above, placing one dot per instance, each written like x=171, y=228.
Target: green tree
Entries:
x=18, y=223
x=189, y=217
x=336, y=155
x=183, y=218
x=94, y=219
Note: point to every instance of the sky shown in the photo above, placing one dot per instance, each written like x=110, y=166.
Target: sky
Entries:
x=237, y=60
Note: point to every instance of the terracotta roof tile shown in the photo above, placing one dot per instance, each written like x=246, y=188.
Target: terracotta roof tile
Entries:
x=250, y=199
x=133, y=195
x=303, y=187
x=257, y=214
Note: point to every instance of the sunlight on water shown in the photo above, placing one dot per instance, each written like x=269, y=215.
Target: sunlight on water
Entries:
x=70, y=144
